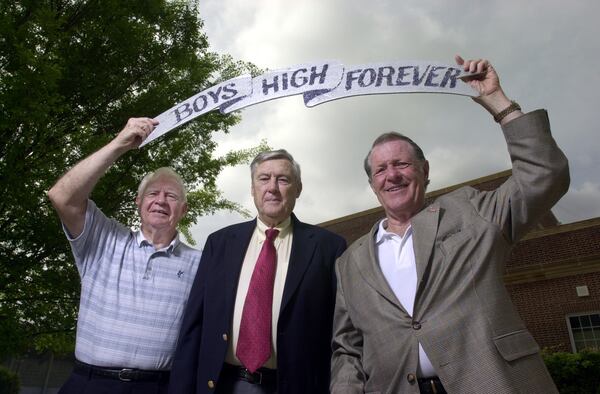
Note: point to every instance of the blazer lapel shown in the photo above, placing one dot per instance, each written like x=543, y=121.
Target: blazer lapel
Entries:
x=233, y=258
x=303, y=246
x=366, y=261
x=425, y=226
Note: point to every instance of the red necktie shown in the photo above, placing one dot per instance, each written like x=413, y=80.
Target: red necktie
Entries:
x=254, y=343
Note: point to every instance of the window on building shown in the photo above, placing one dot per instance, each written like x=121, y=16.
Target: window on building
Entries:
x=584, y=331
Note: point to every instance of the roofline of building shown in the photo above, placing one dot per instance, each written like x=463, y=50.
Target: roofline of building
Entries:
x=558, y=269
x=432, y=194
x=472, y=182
x=560, y=228
x=537, y=233
x=563, y=228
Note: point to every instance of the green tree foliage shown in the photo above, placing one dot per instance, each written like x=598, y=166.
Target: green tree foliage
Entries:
x=71, y=73
x=575, y=373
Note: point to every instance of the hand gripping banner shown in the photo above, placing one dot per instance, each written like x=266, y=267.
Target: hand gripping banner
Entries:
x=318, y=83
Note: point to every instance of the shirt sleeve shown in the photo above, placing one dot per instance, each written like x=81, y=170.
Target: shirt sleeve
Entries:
x=99, y=236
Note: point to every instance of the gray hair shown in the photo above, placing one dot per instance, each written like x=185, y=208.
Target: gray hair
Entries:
x=279, y=154
x=393, y=136
x=163, y=172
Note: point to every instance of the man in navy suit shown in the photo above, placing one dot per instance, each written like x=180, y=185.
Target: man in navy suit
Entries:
x=208, y=353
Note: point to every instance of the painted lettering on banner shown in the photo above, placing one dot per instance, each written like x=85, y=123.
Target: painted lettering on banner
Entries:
x=397, y=77
x=207, y=100
x=318, y=83
x=323, y=76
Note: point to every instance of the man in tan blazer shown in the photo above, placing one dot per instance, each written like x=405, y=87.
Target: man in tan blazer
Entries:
x=421, y=304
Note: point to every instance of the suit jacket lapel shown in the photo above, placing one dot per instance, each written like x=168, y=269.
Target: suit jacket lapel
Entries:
x=303, y=245
x=365, y=258
x=425, y=226
x=233, y=258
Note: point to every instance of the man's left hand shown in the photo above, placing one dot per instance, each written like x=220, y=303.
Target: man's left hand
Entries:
x=485, y=81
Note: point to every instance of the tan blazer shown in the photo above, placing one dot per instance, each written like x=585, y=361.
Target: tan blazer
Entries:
x=463, y=316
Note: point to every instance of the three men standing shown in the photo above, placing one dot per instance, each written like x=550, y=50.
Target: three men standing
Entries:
x=421, y=306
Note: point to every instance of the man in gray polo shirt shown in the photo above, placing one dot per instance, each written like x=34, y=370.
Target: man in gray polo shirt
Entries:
x=134, y=284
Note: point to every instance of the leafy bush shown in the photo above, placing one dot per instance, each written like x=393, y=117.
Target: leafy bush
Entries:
x=575, y=373
x=9, y=382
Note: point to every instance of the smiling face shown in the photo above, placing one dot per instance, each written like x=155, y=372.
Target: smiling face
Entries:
x=161, y=205
x=401, y=191
x=275, y=190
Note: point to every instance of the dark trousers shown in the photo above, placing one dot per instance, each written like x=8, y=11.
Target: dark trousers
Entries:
x=81, y=384
x=232, y=386
x=235, y=380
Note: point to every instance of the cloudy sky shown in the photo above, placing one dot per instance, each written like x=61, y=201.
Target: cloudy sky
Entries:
x=545, y=51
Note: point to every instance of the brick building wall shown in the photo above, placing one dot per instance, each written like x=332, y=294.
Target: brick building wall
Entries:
x=544, y=305
x=543, y=274
x=560, y=244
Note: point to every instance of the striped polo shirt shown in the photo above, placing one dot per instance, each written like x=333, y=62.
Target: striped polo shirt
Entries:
x=132, y=296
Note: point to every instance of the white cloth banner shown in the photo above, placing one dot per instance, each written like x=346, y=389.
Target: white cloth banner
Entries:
x=214, y=97
x=397, y=77
x=319, y=77
x=318, y=83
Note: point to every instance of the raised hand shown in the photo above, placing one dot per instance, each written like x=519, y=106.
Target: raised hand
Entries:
x=135, y=132
x=485, y=81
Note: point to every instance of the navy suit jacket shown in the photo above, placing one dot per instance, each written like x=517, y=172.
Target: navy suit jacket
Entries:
x=304, y=327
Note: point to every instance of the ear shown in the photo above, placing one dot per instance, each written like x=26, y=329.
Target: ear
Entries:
x=426, y=169
x=299, y=190
x=184, y=209
x=138, y=201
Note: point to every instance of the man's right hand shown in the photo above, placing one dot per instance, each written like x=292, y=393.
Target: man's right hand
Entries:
x=135, y=132
x=70, y=193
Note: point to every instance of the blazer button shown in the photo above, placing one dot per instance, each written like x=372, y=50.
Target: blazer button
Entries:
x=225, y=338
x=211, y=384
x=411, y=378
x=416, y=325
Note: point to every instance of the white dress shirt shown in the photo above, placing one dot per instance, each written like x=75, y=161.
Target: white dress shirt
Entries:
x=283, y=246
x=396, y=258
